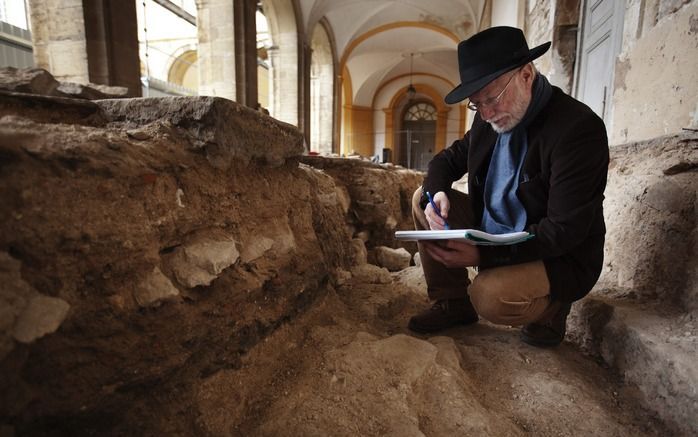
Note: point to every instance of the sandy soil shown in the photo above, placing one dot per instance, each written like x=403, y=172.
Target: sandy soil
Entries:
x=349, y=367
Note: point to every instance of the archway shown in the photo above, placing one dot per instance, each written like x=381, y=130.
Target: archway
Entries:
x=184, y=71
x=394, y=120
x=417, y=135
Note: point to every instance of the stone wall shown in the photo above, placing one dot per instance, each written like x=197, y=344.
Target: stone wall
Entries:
x=556, y=21
x=377, y=198
x=652, y=234
x=539, y=27
x=58, y=38
x=564, y=49
x=147, y=242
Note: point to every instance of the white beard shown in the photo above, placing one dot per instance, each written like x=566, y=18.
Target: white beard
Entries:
x=513, y=117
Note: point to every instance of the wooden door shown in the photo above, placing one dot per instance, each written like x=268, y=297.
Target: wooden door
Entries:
x=601, y=39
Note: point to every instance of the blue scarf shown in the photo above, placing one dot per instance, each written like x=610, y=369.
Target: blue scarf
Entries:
x=504, y=212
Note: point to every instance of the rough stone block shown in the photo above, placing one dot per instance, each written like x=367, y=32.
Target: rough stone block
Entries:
x=658, y=354
x=48, y=109
x=381, y=196
x=109, y=91
x=222, y=129
x=341, y=276
x=91, y=91
x=43, y=315
x=202, y=258
x=392, y=259
x=650, y=211
x=586, y=323
x=255, y=248
x=370, y=274
x=29, y=80
x=417, y=259
x=79, y=91
x=154, y=289
x=360, y=253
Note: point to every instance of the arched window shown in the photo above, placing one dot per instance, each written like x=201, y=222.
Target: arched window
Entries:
x=421, y=111
x=183, y=70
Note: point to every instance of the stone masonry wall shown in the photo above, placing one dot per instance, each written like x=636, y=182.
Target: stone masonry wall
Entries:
x=377, y=198
x=138, y=236
x=147, y=242
x=652, y=232
x=58, y=38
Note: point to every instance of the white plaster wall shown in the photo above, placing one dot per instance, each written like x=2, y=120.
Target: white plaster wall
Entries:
x=506, y=12
x=656, y=85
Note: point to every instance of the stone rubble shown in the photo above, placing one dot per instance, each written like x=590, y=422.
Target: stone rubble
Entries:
x=154, y=289
x=202, y=258
x=41, y=82
x=392, y=259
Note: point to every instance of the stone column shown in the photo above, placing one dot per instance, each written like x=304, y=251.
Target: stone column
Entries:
x=285, y=65
x=337, y=109
x=322, y=107
x=87, y=41
x=304, y=87
x=59, y=40
x=246, y=52
x=111, y=31
x=216, y=31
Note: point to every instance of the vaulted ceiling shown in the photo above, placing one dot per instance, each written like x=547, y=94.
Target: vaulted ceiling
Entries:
x=380, y=41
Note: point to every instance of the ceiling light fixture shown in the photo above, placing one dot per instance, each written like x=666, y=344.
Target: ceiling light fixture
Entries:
x=411, y=90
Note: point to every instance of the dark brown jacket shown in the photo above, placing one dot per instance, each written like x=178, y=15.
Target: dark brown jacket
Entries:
x=561, y=187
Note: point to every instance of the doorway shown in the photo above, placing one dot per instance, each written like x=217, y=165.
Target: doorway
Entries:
x=417, y=136
x=602, y=34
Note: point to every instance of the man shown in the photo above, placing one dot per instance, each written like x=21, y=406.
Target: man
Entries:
x=537, y=161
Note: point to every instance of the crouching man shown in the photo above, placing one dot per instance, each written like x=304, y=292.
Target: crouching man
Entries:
x=537, y=161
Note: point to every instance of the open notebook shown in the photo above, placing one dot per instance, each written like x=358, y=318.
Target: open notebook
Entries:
x=468, y=235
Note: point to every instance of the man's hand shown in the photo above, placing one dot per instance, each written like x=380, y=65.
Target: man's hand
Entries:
x=441, y=201
x=453, y=253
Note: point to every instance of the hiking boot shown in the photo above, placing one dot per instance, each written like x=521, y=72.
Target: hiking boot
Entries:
x=550, y=329
x=444, y=314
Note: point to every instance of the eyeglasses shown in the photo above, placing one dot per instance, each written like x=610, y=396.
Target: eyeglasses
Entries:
x=493, y=100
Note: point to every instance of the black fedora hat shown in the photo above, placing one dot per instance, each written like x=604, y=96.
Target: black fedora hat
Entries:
x=486, y=55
